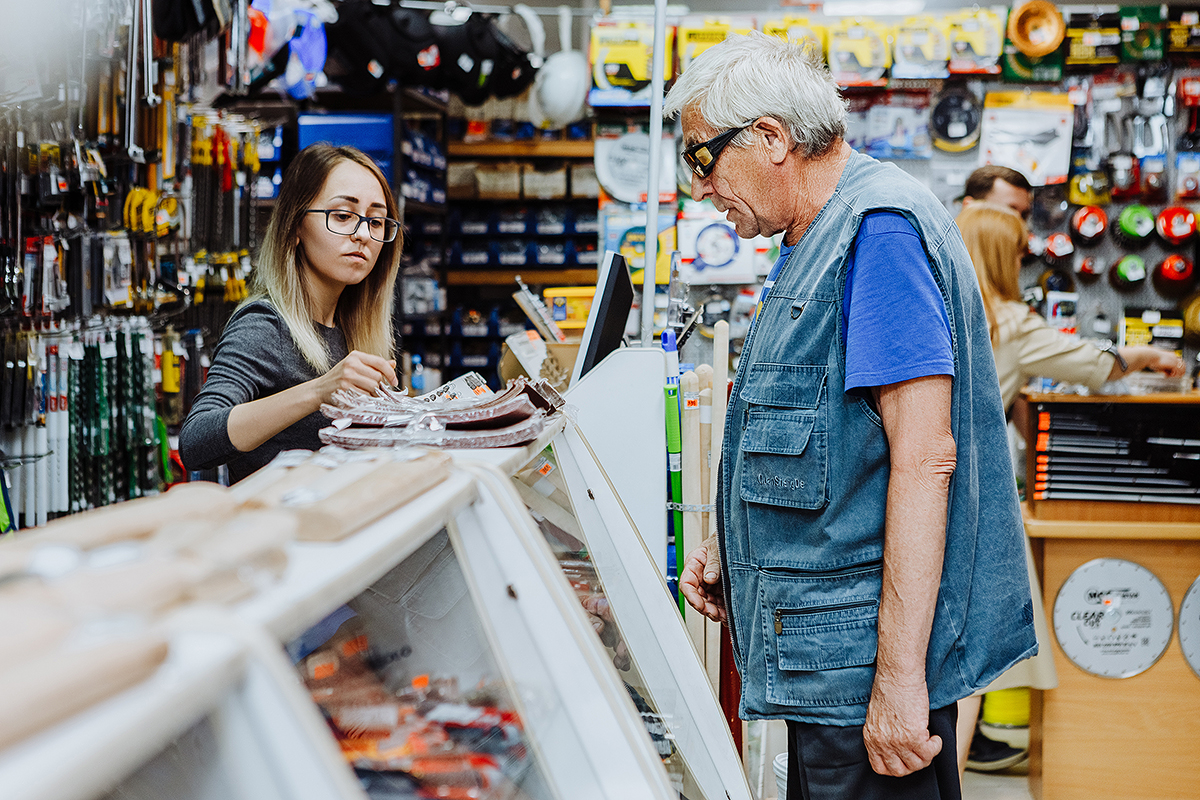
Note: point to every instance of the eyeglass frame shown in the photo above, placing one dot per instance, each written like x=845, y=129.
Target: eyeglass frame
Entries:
x=713, y=148
x=361, y=219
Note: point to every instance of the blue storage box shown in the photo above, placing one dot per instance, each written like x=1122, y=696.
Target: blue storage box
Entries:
x=371, y=133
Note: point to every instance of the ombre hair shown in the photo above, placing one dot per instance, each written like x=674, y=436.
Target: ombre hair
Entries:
x=364, y=310
x=746, y=77
x=996, y=238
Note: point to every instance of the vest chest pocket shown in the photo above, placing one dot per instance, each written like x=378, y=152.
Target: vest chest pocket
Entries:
x=784, y=447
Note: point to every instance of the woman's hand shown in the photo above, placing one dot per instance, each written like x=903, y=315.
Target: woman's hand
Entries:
x=1146, y=357
x=357, y=372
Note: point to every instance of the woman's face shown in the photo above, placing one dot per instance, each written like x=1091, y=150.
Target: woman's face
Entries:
x=335, y=259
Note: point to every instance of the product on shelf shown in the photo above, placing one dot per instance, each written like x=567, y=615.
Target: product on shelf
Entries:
x=1135, y=226
x=1174, y=276
x=1088, y=225
x=859, y=53
x=799, y=30
x=1036, y=28
x=954, y=119
x=1176, y=225
x=922, y=48
x=1127, y=273
x=976, y=41
x=1060, y=250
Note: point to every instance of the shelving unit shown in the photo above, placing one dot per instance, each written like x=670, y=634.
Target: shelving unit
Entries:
x=532, y=149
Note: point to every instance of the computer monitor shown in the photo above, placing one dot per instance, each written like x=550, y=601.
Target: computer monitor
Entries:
x=608, y=316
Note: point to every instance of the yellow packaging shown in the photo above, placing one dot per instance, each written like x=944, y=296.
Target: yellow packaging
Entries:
x=569, y=305
x=976, y=41
x=860, y=52
x=921, y=48
x=799, y=30
x=622, y=54
x=697, y=34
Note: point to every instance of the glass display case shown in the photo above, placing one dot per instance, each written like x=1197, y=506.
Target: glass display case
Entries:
x=437, y=653
x=612, y=574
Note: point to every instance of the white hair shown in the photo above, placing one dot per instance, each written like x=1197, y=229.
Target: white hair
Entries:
x=747, y=77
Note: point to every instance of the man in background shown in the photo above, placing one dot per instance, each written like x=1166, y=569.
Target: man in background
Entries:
x=1002, y=186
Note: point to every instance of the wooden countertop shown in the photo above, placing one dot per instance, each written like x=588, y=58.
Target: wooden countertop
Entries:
x=1173, y=398
x=1108, y=529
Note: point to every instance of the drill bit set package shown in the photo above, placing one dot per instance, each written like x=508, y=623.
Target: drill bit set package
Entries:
x=390, y=419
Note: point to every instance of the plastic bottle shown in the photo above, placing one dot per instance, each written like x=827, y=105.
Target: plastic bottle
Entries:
x=417, y=381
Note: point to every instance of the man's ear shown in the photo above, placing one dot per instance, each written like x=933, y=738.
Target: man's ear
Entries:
x=775, y=136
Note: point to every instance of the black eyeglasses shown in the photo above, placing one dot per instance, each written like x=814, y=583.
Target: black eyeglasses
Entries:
x=346, y=223
x=702, y=157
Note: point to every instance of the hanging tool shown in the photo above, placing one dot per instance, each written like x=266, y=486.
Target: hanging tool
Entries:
x=131, y=88
x=149, y=65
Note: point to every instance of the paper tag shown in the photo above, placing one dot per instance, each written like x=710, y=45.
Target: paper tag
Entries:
x=108, y=349
x=1151, y=317
x=1190, y=17
x=1090, y=38
x=675, y=462
x=75, y=351
x=691, y=400
x=1172, y=330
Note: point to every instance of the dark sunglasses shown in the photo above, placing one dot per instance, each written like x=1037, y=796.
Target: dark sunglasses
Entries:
x=702, y=157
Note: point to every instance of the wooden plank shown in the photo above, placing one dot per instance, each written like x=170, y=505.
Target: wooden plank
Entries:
x=1080, y=529
x=1166, y=398
x=501, y=277
x=1100, y=511
x=534, y=149
x=1133, y=738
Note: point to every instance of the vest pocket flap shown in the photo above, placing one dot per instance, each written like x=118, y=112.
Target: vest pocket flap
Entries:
x=779, y=432
x=784, y=385
x=835, y=645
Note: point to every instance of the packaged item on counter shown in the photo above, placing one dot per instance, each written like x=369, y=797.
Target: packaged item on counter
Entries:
x=1029, y=132
x=898, y=127
x=921, y=48
x=1061, y=312
x=976, y=41
x=1093, y=39
x=697, y=34
x=799, y=30
x=569, y=305
x=622, y=55
x=860, y=52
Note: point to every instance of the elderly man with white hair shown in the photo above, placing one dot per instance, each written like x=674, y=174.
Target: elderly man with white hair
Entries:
x=869, y=562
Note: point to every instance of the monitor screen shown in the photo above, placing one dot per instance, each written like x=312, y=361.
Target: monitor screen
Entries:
x=608, y=316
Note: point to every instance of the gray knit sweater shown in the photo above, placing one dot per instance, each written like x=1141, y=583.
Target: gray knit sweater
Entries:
x=255, y=358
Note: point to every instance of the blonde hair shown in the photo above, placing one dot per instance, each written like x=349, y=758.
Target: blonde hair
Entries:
x=364, y=310
x=996, y=238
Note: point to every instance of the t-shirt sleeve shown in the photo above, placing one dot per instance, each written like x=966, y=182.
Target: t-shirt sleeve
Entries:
x=244, y=367
x=893, y=314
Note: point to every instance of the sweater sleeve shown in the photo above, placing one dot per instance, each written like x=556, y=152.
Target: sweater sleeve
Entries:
x=1031, y=348
x=245, y=367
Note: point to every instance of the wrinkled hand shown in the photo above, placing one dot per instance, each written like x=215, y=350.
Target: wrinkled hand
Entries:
x=357, y=372
x=700, y=582
x=897, y=729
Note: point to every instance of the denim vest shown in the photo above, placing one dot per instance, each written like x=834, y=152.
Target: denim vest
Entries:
x=805, y=475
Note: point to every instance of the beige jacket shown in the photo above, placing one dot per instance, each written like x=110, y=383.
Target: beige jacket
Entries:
x=1028, y=347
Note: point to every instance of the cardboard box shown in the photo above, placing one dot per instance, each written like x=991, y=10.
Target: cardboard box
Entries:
x=460, y=180
x=550, y=184
x=584, y=182
x=499, y=181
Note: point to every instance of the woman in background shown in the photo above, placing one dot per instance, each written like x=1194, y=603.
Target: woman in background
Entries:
x=318, y=319
x=1025, y=346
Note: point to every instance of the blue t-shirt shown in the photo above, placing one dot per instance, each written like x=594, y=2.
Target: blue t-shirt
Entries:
x=894, y=320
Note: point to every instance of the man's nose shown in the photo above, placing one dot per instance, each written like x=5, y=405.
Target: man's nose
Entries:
x=700, y=188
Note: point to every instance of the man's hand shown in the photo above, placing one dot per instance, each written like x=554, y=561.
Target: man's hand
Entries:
x=897, y=729
x=701, y=581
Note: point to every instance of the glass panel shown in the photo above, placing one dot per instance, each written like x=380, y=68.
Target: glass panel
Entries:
x=189, y=768
x=411, y=690
x=545, y=493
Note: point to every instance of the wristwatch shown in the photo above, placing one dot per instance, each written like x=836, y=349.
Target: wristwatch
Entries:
x=1112, y=350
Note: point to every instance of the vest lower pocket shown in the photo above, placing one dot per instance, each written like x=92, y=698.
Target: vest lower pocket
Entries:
x=784, y=459
x=820, y=632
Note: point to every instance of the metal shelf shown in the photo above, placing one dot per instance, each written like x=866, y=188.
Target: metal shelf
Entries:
x=507, y=277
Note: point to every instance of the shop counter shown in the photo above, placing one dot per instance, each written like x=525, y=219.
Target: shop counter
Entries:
x=1125, y=718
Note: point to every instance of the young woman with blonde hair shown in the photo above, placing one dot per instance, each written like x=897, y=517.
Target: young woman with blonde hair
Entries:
x=1025, y=346
x=318, y=319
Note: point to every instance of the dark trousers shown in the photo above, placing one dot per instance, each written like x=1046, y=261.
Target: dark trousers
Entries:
x=830, y=763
